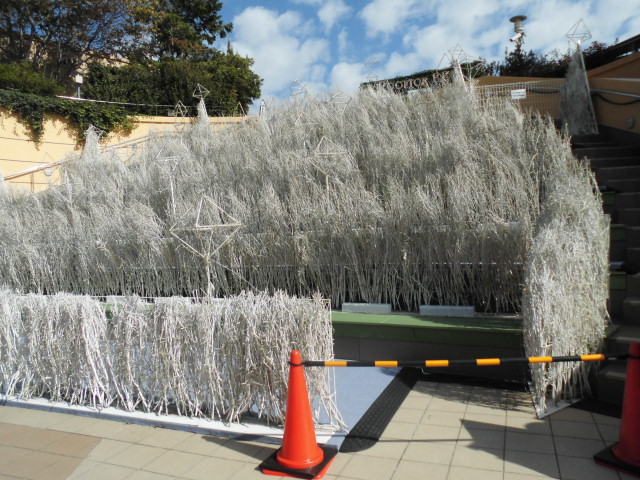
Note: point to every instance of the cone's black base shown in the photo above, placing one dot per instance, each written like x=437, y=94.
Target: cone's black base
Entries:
x=608, y=459
x=271, y=466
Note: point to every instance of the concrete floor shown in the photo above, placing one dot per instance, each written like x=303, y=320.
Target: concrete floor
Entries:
x=442, y=431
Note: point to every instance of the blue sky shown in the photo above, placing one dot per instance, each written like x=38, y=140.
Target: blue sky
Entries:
x=336, y=44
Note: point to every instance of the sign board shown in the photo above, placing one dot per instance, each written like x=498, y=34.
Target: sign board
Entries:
x=519, y=94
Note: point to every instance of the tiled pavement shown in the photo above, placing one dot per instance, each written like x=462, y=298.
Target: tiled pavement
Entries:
x=442, y=431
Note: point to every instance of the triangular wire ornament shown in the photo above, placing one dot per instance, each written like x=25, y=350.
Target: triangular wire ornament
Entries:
x=298, y=88
x=327, y=147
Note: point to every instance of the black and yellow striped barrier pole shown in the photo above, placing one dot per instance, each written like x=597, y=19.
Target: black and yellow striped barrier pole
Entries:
x=596, y=357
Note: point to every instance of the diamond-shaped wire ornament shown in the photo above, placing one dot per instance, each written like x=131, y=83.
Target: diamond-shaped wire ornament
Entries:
x=579, y=33
x=179, y=113
x=200, y=92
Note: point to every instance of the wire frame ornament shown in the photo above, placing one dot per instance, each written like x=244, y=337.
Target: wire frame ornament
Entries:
x=201, y=239
x=464, y=65
x=91, y=150
x=579, y=33
x=200, y=92
x=371, y=67
x=180, y=112
x=298, y=88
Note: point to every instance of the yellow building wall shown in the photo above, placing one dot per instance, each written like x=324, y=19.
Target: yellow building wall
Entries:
x=18, y=151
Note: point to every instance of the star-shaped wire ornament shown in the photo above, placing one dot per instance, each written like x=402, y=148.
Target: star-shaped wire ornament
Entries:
x=207, y=215
x=579, y=33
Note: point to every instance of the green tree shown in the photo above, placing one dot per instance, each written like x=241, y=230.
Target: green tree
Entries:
x=187, y=28
x=58, y=36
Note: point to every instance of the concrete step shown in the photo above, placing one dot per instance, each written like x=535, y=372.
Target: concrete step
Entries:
x=614, y=162
x=628, y=185
x=631, y=285
x=607, y=151
x=611, y=377
x=604, y=174
x=610, y=382
x=631, y=311
x=624, y=200
x=632, y=256
x=585, y=140
x=628, y=216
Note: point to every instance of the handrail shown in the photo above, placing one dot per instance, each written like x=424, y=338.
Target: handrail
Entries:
x=30, y=170
x=613, y=92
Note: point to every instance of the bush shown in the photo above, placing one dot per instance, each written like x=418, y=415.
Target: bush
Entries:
x=21, y=76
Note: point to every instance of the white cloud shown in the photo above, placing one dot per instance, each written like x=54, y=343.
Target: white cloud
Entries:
x=281, y=47
x=348, y=76
x=387, y=16
x=332, y=12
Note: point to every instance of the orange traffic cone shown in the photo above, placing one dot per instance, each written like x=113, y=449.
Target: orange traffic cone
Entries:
x=625, y=455
x=300, y=455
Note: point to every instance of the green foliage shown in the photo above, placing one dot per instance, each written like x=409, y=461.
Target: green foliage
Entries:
x=21, y=76
x=228, y=77
x=183, y=28
x=33, y=110
x=519, y=63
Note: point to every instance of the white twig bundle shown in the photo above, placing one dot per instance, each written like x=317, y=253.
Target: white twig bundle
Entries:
x=566, y=287
x=216, y=358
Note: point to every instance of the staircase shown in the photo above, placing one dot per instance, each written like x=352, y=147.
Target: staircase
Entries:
x=617, y=169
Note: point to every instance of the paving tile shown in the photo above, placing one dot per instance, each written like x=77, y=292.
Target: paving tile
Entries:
x=386, y=449
x=529, y=424
x=129, y=432
x=144, y=475
x=107, y=449
x=34, y=418
x=10, y=431
x=59, y=470
x=523, y=476
x=365, y=468
x=466, y=473
x=218, y=468
x=564, y=428
x=339, y=462
x=436, y=433
x=516, y=461
x=420, y=403
x=243, y=451
x=579, y=447
x=527, y=442
x=572, y=415
x=446, y=419
x=488, y=422
x=72, y=445
x=200, y=444
x=480, y=458
x=10, y=454
x=487, y=409
x=249, y=472
x=100, y=428
x=164, y=438
x=439, y=404
x=89, y=470
x=429, y=452
x=610, y=433
x=399, y=430
x=574, y=468
x=606, y=420
x=408, y=470
x=481, y=438
x=27, y=466
x=173, y=463
x=72, y=423
x=136, y=456
x=408, y=415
